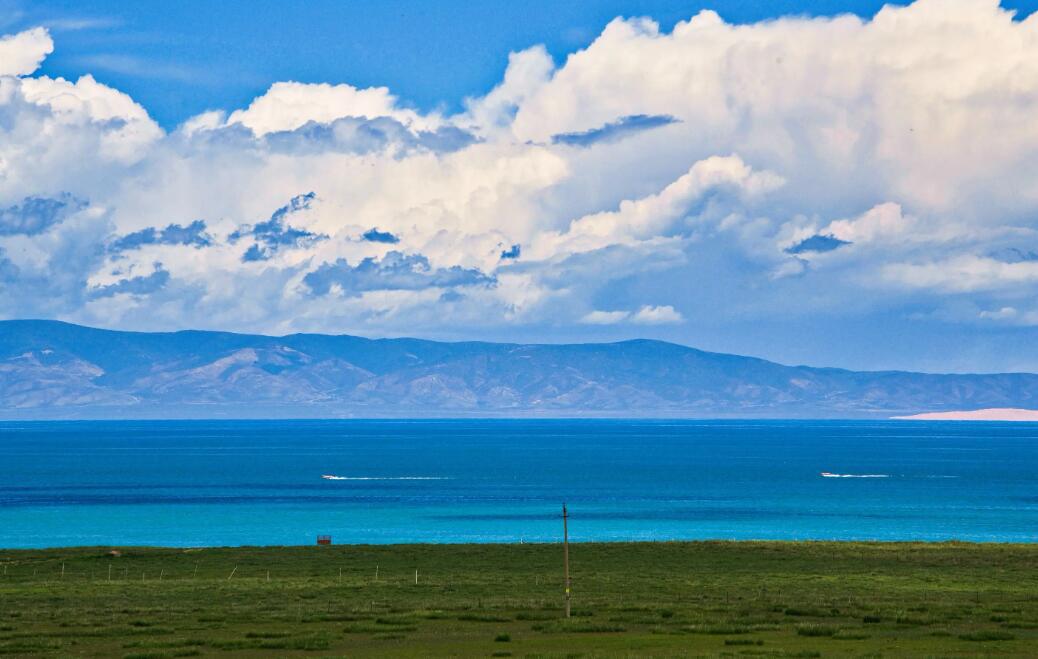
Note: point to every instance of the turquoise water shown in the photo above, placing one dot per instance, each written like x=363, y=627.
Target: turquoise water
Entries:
x=246, y=482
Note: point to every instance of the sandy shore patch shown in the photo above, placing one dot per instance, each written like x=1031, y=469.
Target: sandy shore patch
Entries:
x=990, y=414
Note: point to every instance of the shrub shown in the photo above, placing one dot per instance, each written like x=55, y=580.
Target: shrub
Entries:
x=533, y=615
x=482, y=617
x=987, y=636
x=815, y=630
x=743, y=641
x=850, y=636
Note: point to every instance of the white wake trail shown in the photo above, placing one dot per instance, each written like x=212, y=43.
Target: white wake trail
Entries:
x=331, y=477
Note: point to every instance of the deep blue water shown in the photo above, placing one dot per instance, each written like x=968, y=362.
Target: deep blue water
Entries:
x=244, y=482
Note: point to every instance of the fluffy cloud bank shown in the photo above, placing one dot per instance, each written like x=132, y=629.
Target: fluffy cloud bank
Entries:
x=21, y=54
x=680, y=180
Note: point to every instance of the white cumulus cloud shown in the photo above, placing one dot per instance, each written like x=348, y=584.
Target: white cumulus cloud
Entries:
x=860, y=172
x=289, y=105
x=657, y=315
x=22, y=53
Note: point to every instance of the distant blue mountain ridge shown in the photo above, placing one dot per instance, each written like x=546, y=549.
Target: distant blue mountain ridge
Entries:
x=51, y=369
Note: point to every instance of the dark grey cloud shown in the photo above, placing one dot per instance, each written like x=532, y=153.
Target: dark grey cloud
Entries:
x=275, y=233
x=373, y=235
x=358, y=135
x=444, y=139
x=234, y=137
x=143, y=285
x=8, y=270
x=511, y=253
x=396, y=271
x=193, y=234
x=1014, y=255
x=817, y=243
x=37, y=214
x=615, y=130
x=451, y=296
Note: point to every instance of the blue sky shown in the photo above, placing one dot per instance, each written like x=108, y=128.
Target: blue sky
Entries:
x=833, y=183
x=181, y=58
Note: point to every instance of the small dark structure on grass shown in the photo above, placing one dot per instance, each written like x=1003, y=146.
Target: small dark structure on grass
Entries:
x=324, y=539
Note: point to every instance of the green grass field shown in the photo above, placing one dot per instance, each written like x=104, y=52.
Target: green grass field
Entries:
x=738, y=599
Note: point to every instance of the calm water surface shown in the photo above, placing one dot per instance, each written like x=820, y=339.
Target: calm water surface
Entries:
x=245, y=482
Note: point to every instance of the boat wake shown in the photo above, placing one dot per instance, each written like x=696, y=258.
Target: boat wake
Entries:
x=331, y=477
x=826, y=474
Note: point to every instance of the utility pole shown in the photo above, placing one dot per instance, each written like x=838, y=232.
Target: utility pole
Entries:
x=565, y=554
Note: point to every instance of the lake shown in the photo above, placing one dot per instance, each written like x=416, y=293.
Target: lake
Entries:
x=199, y=483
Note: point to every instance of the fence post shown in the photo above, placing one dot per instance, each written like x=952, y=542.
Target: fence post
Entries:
x=565, y=554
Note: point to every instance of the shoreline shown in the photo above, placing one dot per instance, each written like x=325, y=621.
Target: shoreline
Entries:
x=536, y=544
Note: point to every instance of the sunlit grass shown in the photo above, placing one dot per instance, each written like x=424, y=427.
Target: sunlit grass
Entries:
x=710, y=598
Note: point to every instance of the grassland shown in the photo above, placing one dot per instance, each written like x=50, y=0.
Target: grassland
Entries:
x=647, y=599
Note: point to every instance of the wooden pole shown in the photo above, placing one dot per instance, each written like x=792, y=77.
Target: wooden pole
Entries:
x=565, y=554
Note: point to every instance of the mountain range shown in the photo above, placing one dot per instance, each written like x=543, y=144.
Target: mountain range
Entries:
x=53, y=370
